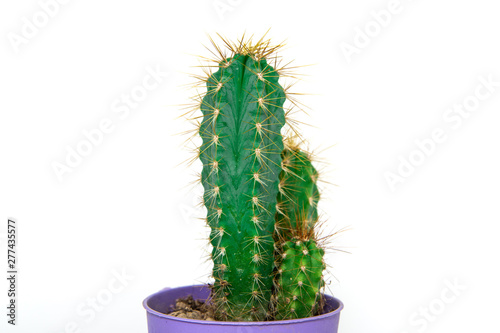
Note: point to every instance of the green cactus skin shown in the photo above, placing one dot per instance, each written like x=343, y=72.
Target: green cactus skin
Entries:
x=241, y=155
x=298, y=193
x=299, y=261
x=300, y=280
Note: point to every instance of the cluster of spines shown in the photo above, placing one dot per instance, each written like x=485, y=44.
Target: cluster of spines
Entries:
x=299, y=258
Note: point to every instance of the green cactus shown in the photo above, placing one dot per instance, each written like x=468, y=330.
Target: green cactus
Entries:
x=300, y=280
x=299, y=260
x=261, y=198
x=298, y=191
x=242, y=142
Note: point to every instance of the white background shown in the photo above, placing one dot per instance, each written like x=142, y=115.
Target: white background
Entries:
x=128, y=206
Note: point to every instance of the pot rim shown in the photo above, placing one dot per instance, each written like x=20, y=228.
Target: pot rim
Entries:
x=238, y=323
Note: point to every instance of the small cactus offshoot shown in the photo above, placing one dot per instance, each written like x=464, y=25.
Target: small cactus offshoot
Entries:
x=300, y=279
x=261, y=197
x=299, y=259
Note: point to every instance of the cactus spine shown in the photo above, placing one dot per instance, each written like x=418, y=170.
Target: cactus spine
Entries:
x=299, y=259
x=241, y=155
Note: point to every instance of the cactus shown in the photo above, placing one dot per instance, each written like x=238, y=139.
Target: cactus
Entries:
x=299, y=260
x=241, y=131
x=298, y=191
x=300, y=279
x=260, y=197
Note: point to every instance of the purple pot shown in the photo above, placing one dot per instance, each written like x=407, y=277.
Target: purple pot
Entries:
x=158, y=322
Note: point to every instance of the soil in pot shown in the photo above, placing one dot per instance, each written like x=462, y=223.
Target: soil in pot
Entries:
x=190, y=308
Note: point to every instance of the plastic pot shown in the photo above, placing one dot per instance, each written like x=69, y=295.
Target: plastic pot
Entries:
x=158, y=322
